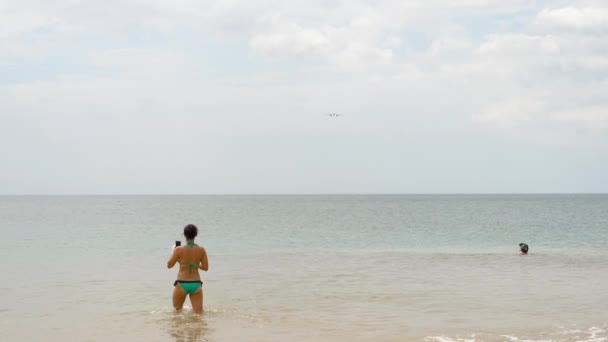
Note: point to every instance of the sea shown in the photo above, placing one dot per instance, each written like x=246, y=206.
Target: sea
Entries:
x=307, y=268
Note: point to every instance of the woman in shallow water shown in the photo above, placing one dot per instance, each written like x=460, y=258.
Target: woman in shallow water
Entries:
x=190, y=257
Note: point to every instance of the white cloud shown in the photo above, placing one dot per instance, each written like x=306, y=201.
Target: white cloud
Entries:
x=512, y=112
x=290, y=38
x=360, y=55
x=553, y=80
x=354, y=36
x=591, y=19
x=508, y=46
x=352, y=33
x=594, y=116
x=405, y=73
x=23, y=22
x=143, y=61
x=351, y=47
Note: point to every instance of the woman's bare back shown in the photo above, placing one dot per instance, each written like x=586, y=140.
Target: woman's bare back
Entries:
x=190, y=259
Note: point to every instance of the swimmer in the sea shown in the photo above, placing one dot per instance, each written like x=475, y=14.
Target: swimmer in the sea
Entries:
x=523, y=248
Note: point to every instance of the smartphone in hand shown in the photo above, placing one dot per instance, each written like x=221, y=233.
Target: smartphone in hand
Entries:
x=177, y=244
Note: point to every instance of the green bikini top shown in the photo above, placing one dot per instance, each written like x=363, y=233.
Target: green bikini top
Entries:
x=191, y=265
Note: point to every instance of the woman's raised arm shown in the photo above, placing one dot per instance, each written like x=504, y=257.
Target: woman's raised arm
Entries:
x=173, y=258
x=204, y=264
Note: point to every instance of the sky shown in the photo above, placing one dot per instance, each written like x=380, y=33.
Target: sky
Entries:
x=232, y=96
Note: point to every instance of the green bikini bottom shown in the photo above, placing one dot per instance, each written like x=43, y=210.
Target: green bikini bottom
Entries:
x=190, y=286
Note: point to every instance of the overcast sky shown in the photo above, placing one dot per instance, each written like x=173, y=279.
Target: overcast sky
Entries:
x=190, y=96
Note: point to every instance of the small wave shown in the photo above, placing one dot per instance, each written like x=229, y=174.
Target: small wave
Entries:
x=187, y=310
x=593, y=334
x=514, y=338
x=447, y=339
x=162, y=310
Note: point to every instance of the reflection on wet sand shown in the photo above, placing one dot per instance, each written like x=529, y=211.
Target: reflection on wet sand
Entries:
x=187, y=327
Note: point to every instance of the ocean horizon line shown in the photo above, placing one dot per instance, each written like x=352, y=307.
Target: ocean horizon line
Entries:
x=305, y=194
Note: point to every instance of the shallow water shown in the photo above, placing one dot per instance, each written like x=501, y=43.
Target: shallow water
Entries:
x=308, y=268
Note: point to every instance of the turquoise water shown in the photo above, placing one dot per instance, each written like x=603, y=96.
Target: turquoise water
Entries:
x=304, y=268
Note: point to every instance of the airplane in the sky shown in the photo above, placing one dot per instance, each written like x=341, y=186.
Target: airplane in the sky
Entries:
x=334, y=115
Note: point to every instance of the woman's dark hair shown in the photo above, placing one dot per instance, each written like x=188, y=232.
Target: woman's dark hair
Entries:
x=190, y=231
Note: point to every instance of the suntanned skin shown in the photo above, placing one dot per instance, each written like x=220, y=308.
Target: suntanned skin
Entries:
x=186, y=255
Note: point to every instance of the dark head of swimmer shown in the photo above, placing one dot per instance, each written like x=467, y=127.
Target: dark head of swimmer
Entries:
x=190, y=232
x=523, y=248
